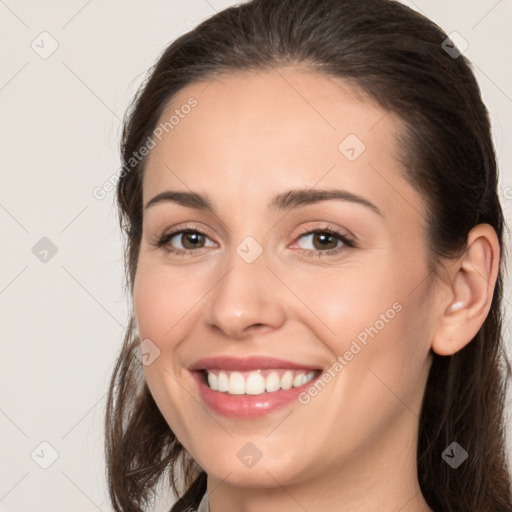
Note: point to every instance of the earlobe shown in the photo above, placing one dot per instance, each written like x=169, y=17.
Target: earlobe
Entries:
x=471, y=283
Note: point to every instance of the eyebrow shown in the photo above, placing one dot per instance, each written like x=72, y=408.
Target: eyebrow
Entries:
x=285, y=201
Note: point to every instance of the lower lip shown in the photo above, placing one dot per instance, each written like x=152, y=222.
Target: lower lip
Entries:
x=247, y=406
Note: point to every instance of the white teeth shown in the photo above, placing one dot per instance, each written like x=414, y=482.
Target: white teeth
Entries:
x=222, y=382
x=297, y=381
x=255, y=383
x=272, y=382
x=287, y=380
x=213, y=381
x=236, y=384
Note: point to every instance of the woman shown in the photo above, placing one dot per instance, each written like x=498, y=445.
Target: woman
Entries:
x=314, y=253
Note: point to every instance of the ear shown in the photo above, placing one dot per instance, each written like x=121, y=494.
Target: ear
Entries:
x=469, y=291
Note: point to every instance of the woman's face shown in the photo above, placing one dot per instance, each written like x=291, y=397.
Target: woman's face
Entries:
x=305, y=258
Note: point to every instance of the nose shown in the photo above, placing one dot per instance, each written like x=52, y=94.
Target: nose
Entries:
x=247, y=299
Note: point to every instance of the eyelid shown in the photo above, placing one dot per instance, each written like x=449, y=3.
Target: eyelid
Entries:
x=319, y=226
x=190, y=226
x=162, y=240
x=348, y=240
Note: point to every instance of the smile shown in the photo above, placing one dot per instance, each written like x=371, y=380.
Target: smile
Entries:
x=250, y=387
x=257, y=382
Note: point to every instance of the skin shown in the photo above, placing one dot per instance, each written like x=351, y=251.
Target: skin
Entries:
x=251, y=137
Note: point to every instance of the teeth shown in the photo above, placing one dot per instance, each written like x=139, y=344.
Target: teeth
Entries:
x=223, y=382
x=273, y=382
x=257, y=382
x=298, y=380
x=236, y=384
x=287, y=380
x=213, y=381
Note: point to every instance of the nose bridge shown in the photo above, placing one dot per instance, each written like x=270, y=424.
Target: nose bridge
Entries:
x=245, y=296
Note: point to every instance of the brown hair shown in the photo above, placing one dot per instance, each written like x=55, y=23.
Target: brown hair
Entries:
x=398, y=59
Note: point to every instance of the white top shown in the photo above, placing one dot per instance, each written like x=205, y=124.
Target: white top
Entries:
x=203, y=506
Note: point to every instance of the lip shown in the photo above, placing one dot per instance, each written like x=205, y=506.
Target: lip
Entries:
x=247, y=364
x=247, y=406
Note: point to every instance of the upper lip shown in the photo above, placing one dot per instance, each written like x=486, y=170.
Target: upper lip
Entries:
x=230, y=363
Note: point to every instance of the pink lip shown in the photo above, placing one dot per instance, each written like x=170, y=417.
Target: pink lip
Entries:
x=246, y=406
x=247, y=364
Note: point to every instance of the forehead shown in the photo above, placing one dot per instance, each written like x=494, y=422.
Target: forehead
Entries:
x=259, y=132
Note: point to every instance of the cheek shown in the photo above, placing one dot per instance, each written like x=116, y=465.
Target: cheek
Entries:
x=163, y=302
x=371, y=321
x=340, y=305
x=164, y=298
x=167, y=302
x=379, y=346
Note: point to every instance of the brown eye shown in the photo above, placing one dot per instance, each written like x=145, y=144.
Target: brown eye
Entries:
x=324, y=241
x=185, y=241
x=191, y=239
x=320, y=241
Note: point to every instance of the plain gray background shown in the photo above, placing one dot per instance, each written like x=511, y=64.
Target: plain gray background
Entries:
x=62, y=319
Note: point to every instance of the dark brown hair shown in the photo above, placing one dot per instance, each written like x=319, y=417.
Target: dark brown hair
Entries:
x=398, y=59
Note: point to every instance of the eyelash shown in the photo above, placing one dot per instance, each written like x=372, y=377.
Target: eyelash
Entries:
x=348, y=242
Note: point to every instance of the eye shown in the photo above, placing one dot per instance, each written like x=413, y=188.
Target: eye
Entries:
x=184, y=241
x=324, y=241
x=319, y=242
